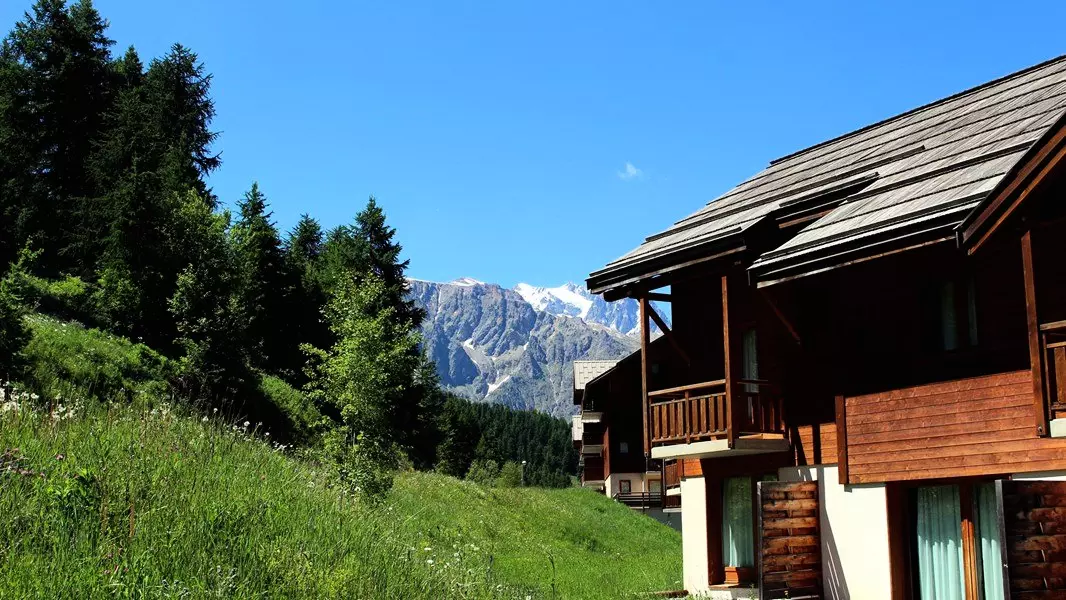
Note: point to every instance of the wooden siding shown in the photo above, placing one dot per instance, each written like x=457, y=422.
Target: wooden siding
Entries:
x=790, y=563
x=1034, y=531
x=815, y=444
x=969, y=427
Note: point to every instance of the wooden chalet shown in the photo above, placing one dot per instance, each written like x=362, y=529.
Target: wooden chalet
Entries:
x=864, y=390
x=608, y=432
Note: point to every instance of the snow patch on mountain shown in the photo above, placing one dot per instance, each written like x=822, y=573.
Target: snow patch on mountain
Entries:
x=568, y=300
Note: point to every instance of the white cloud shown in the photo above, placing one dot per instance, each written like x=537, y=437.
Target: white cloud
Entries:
x=630, y=172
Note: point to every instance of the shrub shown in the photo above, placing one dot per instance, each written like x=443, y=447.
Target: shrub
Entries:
x=299, y=411
x=484, y=472
x=13, y=332
x=510, y=475
x=68, y=360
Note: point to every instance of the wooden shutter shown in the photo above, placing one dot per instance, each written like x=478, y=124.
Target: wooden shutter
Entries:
x=1033, y=532
x=790, y=555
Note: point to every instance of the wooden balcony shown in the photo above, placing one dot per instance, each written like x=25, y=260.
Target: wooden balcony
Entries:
x=1053, y=344
x=699, y=412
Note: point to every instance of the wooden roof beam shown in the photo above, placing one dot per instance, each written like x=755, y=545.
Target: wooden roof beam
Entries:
x=1004, y=203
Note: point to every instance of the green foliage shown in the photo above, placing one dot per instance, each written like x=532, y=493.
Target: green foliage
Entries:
x=474, y=432
x=264, y=283
x=302, y=418
x=69, y=361
x=364, y=376
x=510, y=475
x=483, y=471
x=13, y=332
x=206, y=308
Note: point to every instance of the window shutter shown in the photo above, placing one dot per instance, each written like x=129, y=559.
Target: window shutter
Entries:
x=1033, y=530
x=790, y=553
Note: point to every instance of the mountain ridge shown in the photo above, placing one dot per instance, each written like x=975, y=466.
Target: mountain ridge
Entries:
x=516, y=346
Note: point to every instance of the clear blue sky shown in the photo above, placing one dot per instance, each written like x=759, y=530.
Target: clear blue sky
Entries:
x=497, y=134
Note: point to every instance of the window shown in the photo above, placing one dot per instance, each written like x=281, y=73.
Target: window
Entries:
x=947, y=520
x=750, y=348
x=738, y=547
x=958, y=320
x=625, y=486
x=655, y=486
x=623, y=447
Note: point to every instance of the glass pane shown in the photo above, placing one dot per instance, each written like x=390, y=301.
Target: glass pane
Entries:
x=949, y=327
x=989, y=559
x=939, y=535
x=738, y=548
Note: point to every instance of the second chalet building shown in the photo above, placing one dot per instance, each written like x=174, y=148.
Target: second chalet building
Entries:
x=864, y=388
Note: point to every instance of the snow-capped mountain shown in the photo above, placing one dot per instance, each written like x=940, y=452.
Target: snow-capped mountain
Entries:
x=572, y=300
x=517, y=347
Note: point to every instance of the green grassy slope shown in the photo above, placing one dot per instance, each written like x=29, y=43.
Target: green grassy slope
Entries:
x=111, y=501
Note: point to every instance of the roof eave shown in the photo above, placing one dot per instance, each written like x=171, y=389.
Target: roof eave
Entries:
x=1008, y=195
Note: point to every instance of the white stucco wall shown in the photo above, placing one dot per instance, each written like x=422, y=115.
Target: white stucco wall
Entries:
x=636, y=481
x=854, y=530
x=694, y=534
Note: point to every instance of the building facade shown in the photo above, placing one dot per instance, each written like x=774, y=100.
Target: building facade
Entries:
x=860, y=394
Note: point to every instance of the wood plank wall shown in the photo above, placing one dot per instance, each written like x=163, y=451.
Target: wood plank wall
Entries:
x=790, y=563
x=967, y=427
x=1034, y=528
x=815, y=444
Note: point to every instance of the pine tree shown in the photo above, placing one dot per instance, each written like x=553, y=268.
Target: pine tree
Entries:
x=381, y=257
x=265, y=284
x=54, y=94
x=304, y=324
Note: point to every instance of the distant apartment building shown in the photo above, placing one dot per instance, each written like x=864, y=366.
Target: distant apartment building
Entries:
x=608, y=435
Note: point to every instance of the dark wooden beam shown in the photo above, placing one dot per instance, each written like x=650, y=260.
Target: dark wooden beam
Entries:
x=644, y=341
x=659, y=297
x=842, y=440
x=730, y=376
x=1022, y=182
x=668, y=335
x=1036, y=353
x=715, y=560
x=781, y=316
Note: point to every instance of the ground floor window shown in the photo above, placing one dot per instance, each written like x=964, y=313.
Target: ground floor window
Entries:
x=956, y=545
x=625, y=487
x=738, y=530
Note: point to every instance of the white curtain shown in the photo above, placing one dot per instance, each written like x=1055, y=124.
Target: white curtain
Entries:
x=990, y=567
x=940, y=570
x=738, y=546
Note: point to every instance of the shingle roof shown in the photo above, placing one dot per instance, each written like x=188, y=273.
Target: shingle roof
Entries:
x=587, y=370
x=934, y=162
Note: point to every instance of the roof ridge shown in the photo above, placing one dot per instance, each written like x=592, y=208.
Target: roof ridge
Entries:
x=954, y=96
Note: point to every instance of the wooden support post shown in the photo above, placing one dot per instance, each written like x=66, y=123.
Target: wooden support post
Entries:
x=644, y=363
x=715, y=560
x=969, y=542
x=842, y=440
x=669, y=335
x=731, y=413
x=1036, y=352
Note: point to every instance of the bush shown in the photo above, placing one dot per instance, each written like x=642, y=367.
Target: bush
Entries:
x=68, y=298
x=68, y=360
x=510, y=475
x=484, y=472
x=13, y=333
x=299, y=412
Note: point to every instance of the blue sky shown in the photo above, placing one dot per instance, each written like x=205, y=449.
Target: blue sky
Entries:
x=519, y=141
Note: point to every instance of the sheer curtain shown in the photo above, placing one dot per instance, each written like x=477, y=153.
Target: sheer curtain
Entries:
x=990, y=565
x=738, y=546
x=940, y=570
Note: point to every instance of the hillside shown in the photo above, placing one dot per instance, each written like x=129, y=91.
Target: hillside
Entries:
x=517, y=347
x=133, y=502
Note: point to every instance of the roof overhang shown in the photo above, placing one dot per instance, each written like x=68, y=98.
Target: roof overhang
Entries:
x=1003, y=203
x=629, y=280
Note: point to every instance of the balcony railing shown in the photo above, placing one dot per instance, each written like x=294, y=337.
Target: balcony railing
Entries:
x=645, y=499
x=1053, y=342
x=672, y=474
x=701, y=412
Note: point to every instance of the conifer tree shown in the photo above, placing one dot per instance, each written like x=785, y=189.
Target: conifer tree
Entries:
x=55, y=89
x=265, y=285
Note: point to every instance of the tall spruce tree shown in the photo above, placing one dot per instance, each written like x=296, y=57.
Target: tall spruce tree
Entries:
x=305, y=324
x=55, y=90
x=265, y=282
